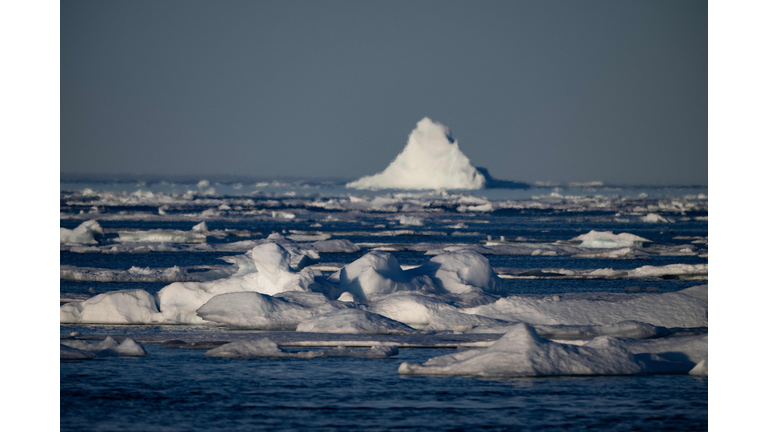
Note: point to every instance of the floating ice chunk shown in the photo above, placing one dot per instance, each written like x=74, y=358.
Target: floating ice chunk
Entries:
x=412, y=308
x=353, y=321
x=307, y=238
x=453, y=320
x=273, y=275
x=376, y=352
x=265, y=348
x=608, y=240
x=108, y=347
x=257, y=311
x=430, y=160
x=114, y=307
x=679, y=270
x=701, y=368
x=260, y=348
x=654, y=218
x=459, y=271
x=88, y=232
x=336, y=246
x=478, y=208
x=67, y=353
x=521, y=352
x=134, y=274
x=201, y=227
x=375, y=274
x=411, y=220
x=677, y=309
x=175, y=236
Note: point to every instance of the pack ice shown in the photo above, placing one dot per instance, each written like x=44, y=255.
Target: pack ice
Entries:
x=430, y=160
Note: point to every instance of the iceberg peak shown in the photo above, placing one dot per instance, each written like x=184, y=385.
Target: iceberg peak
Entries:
x=430, y=160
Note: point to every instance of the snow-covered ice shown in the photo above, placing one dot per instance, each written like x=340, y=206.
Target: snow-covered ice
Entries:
x=608, y=240
x=87, y=233
x=106, y=348
x=353, y=321
x=265, y=348
x=522, y=352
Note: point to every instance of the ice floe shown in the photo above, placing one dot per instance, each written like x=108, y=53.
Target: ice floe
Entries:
x=265, y=348
x=263, y=312
x=115, y=307
x=106, y=348
x=353, y=321
x=522, y=352
x=162, y=236
x=608, y=240
x=87, y=233
x=134, y=274
x=685, y=308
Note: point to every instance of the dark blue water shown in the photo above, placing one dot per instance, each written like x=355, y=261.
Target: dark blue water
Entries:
x=184, y=390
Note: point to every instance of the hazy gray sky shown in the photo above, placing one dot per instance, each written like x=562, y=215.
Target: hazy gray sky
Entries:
x=532, y=90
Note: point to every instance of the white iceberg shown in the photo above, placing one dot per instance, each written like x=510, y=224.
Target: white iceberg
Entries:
x=430, y=160
x=87, y=233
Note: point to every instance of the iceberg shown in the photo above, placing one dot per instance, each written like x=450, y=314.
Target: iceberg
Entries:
x=430, y=160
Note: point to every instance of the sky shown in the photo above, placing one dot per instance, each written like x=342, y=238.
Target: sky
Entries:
x=532, y=90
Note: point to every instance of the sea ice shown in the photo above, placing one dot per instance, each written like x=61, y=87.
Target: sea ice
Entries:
x=273, y=275
x=521, y=352
x=460, y=271
x=161, y=236
x=430, y=160
x=685, y=308
x=353, y=321
x=87, y=233
x=608, y=240
x=263, y=312
x=265, y=348
x=107, y=348
x=114, y=307
x=375, y=274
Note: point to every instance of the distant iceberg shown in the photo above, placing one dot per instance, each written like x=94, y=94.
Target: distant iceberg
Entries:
x=431, y=160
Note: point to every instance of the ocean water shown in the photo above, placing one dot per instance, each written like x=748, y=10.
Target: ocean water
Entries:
x=173, y=389
x=181, y=389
